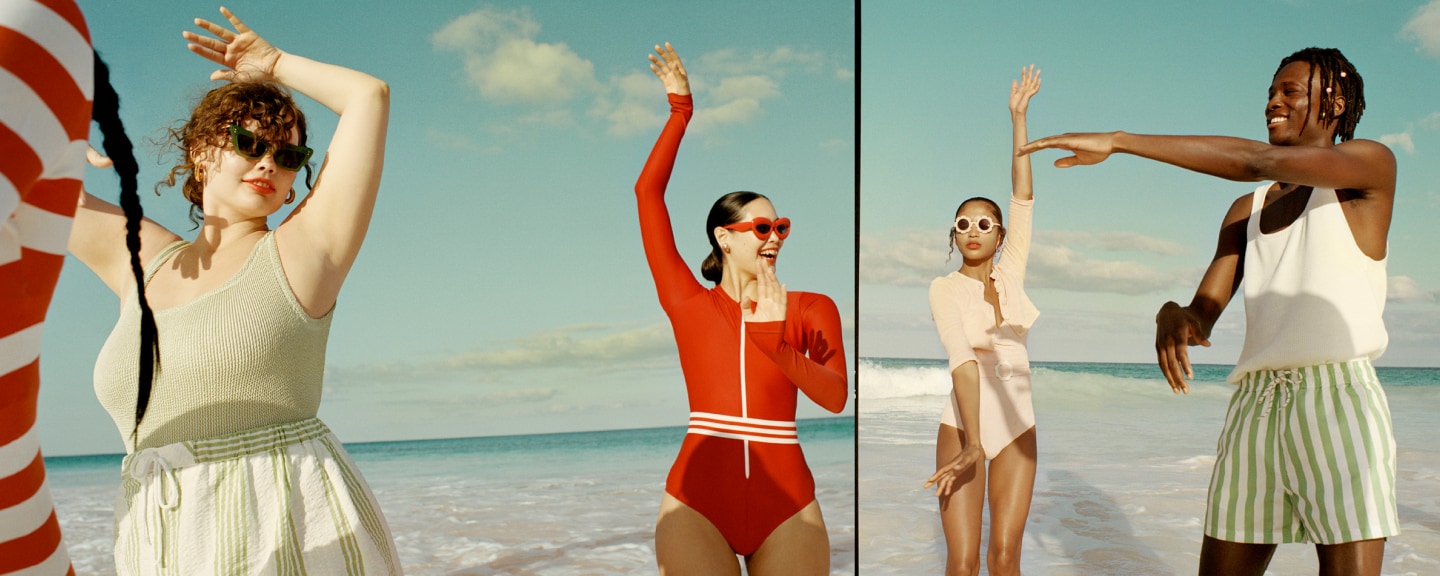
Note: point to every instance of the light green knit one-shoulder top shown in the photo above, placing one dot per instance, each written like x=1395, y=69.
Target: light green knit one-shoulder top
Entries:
x=242, y=356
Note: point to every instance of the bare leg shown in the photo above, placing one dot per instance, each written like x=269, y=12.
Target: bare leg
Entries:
x=1221, y=558
x=799, y=545
x=1012, y=484
x=960, y=511
x=687, y=544
x=1361, y=558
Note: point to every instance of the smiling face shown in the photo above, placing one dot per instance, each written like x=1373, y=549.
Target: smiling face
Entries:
x=267, y=110
x=976, y=246
x=745, y=246
x=238, y=188
x=1295, y=113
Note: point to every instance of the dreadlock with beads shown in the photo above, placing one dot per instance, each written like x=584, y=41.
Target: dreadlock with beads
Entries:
x=106, y=113
x=1339, y=79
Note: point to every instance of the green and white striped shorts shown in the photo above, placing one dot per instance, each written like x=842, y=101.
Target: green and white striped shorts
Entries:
x=282, y=500
x=1306, y=455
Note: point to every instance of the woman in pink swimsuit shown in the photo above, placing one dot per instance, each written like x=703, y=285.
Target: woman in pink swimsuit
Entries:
x=983, y=317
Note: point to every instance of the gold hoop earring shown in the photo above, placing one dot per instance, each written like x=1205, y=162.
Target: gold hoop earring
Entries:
x=291, y=197
x=199, y=174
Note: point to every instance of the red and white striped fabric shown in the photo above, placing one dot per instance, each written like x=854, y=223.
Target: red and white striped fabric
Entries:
x=46, y=86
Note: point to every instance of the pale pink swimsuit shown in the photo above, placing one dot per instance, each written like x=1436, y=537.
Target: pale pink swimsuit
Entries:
x=966, y=323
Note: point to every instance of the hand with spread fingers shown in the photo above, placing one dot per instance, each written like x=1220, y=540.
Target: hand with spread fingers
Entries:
x=249, y=57
x=670, y=70
x=770, y=295
x=1177, y=328
x=1021, y=90
x=947, y=479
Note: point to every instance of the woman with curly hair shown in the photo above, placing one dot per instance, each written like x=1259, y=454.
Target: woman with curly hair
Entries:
x=228, y=469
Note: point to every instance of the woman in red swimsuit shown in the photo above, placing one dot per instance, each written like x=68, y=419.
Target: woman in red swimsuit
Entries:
x=740, y=484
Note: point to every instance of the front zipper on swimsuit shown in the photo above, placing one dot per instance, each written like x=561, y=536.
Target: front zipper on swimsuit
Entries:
x=744, y=408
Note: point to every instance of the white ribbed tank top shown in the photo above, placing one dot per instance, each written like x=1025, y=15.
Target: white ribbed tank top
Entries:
x=1311, y=295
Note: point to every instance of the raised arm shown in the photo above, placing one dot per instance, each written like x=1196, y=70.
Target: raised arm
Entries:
x=98, y=240
x=1016, y=252
x=1020, y=92
x=98, y=237
x=673, y=280
x=1176, y=327
x=321, y=238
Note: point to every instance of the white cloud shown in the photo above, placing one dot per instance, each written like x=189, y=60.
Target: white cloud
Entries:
x=778, y=62
x=913, y=258
x=844, y=74
x=1111, y=241
x=903, y=258
x=581, y=346
x=1401, y=140
x=629, y=104
x=1063, y=268
x=1424, y=28
x=591, y=348
x=1431, y=122
x=742, y=111
x=753, y=87
x=1406, y=289
x=505, y=63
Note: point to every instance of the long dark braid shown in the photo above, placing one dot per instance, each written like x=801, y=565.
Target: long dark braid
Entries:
x=106, y=113
x=1338, y=78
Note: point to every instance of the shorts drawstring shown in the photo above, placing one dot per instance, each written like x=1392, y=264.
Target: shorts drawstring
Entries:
x=147, y=466
x=1280, y=379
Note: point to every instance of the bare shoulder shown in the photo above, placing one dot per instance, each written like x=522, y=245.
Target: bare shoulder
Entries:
x=1240, y=208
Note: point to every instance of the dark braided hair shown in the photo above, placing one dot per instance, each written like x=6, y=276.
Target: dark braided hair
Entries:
x=726, y=210
x=1339, y=79
x=106, y=113
x=999, y=221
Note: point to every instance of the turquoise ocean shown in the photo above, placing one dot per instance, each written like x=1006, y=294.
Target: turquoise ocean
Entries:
x=574, y=503
x=1123, y=469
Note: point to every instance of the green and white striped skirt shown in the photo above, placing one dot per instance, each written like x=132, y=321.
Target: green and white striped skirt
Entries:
x=283, y=499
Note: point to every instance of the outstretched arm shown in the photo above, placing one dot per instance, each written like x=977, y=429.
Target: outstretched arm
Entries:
x=322, y=237
x=1176, y=327
x=673, y=280
x=1363, y=165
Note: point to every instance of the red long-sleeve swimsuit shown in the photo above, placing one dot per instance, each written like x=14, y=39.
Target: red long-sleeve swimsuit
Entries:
x=740, y=464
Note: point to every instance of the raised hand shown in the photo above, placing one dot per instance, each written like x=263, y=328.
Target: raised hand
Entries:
x=947, y=478
x=670, y=70
x=248, y=56
x=1087, y=147
x=1176, y=330
x=770, y=295
x=1021, y=90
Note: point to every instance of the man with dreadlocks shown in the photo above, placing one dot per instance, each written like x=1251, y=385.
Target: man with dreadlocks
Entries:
x=1307, y=453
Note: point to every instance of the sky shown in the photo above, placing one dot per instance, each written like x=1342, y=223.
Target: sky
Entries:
x=502, y=288
x=1115, y=241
